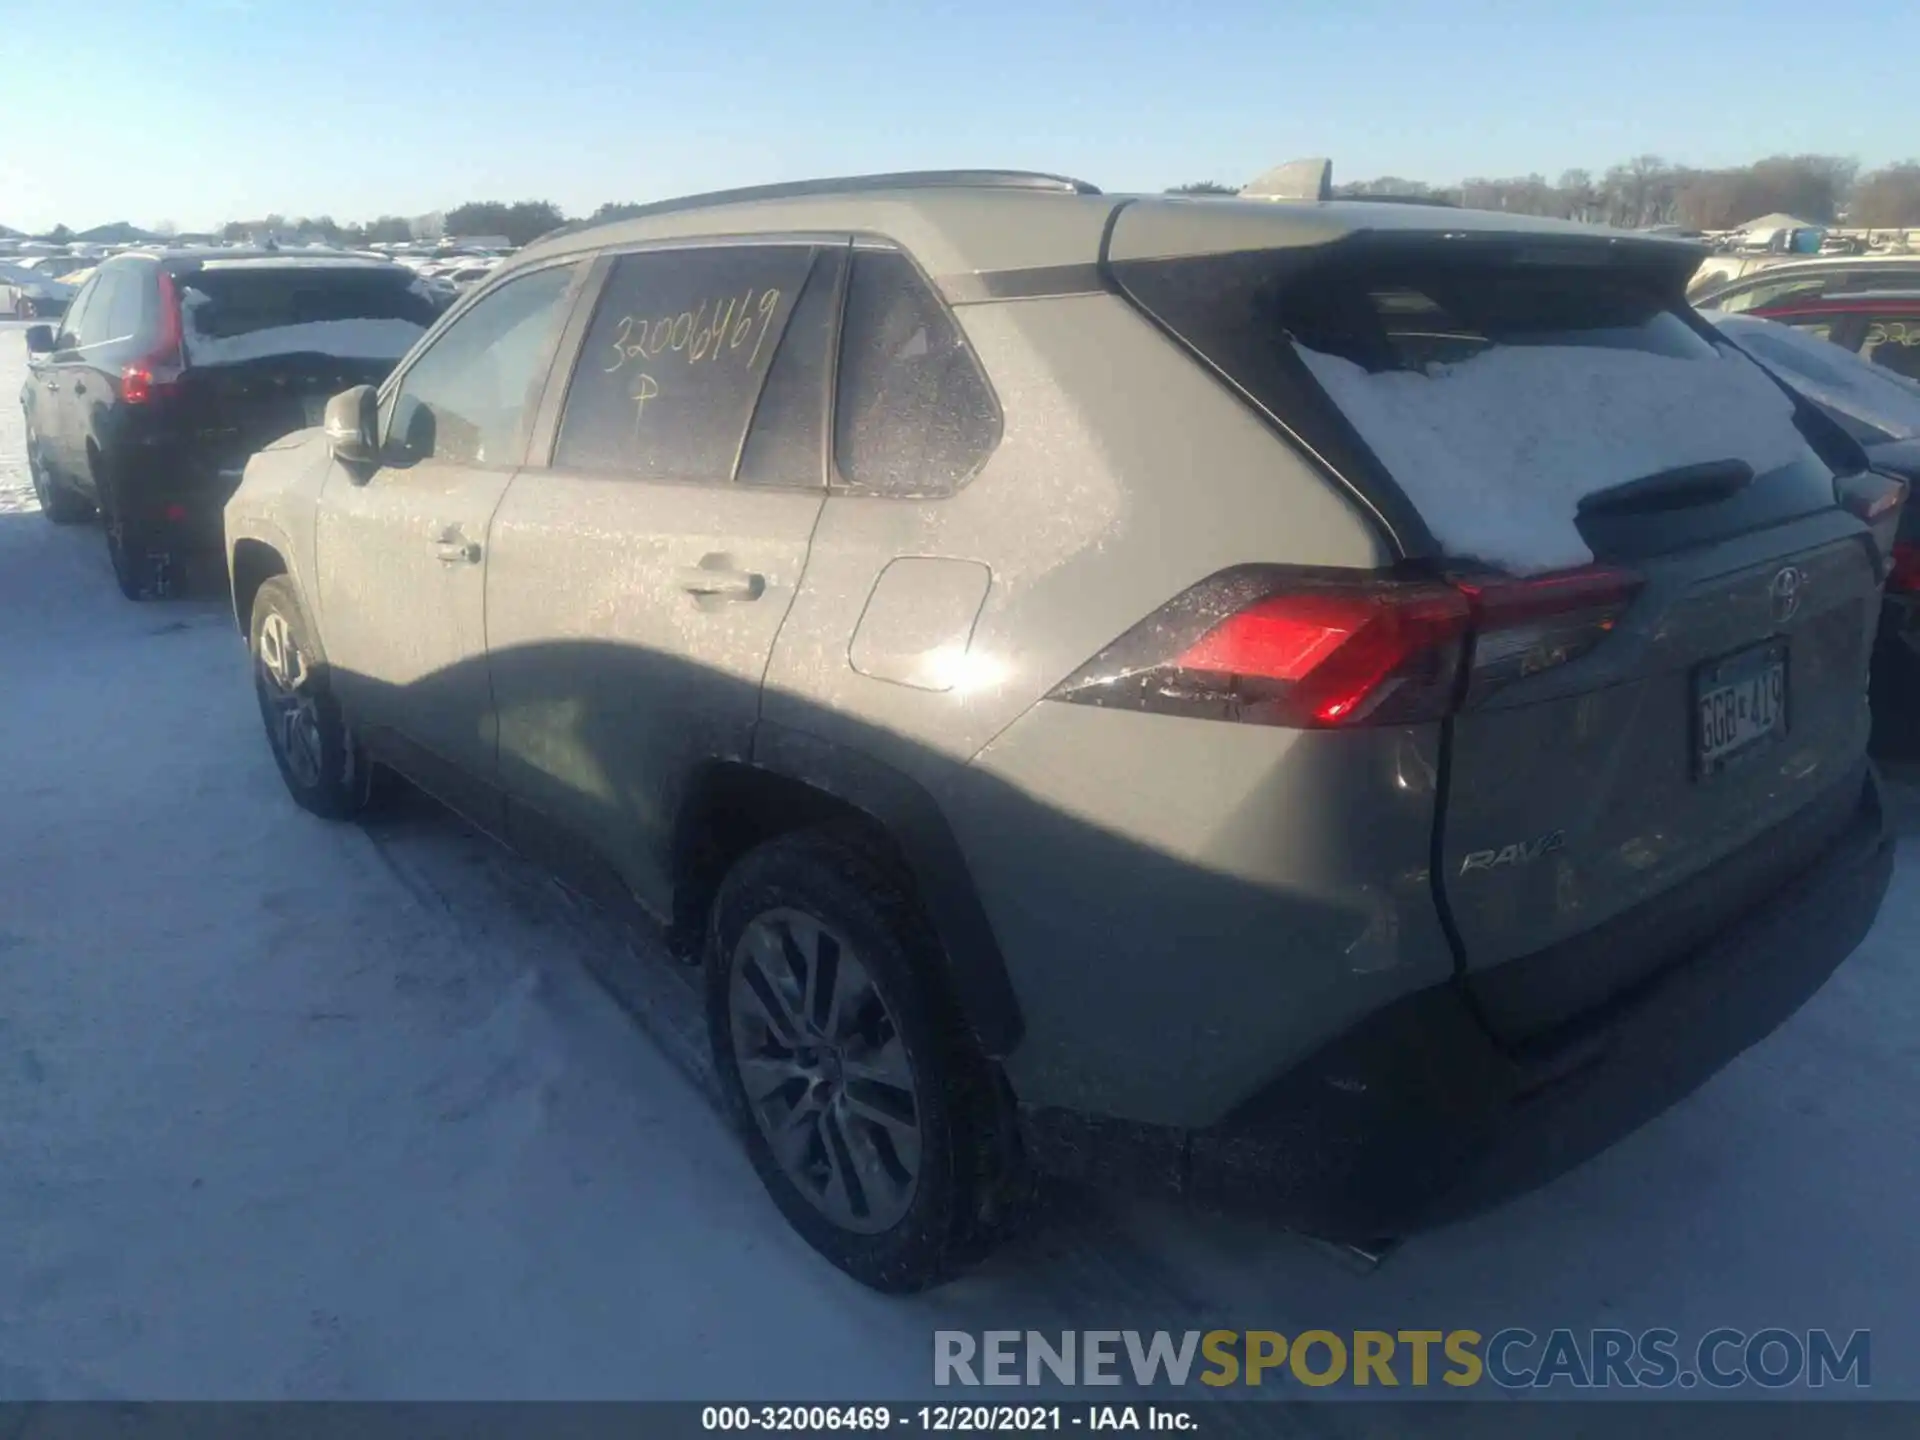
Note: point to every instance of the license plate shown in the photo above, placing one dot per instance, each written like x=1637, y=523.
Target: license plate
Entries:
x=1739, y=706
x=316, y=410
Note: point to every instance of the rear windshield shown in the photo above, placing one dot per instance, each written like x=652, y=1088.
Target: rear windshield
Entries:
x=249, y=314
x=1495, y=393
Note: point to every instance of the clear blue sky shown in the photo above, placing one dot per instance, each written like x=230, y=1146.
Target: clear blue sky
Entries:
x=199, y=111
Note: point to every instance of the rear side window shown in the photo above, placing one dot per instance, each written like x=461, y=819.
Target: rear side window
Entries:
x=253, y=311
x=1497, y=388
x=913, y=415
x=680, y=344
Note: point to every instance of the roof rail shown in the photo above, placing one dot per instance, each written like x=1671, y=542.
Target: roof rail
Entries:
x=847, y=184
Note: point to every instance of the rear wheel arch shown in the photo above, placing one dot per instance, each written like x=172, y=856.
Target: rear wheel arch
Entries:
x=797, y=782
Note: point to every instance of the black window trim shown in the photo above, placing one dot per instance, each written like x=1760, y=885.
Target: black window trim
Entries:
x=518, y=456
x=837, y=309
x=545, y=436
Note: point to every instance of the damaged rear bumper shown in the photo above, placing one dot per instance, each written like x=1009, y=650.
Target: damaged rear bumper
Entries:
x=1417, y=1116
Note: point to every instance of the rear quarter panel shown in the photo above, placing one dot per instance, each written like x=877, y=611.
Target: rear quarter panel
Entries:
x=1168, y=940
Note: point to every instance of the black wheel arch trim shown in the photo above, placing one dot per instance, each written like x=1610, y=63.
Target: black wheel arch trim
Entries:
x=913, y=820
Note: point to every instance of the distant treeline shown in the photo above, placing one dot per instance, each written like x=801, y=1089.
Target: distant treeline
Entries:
x=1652, y=191
x=1644, y=191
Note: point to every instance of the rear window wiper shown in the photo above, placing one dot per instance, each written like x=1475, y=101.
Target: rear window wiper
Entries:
x=1675, y=489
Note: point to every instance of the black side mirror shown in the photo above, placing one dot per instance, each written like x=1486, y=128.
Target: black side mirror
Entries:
x=352, y=426
x=39, y=339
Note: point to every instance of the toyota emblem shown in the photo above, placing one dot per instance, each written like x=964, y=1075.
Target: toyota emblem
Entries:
x=1785, y=592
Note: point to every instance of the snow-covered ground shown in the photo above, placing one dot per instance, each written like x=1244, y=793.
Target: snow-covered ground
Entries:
x=293, y=1109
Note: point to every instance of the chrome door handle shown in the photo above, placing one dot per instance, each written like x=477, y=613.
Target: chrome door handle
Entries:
x=52, y=385
x=721, y=584
x=458, y=552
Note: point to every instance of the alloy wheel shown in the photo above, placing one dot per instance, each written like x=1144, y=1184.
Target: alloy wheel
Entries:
x=292, y=707
x=825, y=1070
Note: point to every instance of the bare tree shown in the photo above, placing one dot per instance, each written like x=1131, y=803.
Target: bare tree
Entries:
x=1889, y=197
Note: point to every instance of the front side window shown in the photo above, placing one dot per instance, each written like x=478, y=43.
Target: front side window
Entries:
x=468, y=399
x=913, y=416
x=680, y=344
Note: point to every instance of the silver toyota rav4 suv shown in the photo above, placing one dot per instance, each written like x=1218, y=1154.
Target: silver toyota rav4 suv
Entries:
x=1345, y=707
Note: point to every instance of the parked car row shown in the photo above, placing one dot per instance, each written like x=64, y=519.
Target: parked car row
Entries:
x=1341, y=707
x=27, y=293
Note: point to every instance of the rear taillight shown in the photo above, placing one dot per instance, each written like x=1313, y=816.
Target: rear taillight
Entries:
x=1320, y=650
x=1904, y=577
x=144, y=380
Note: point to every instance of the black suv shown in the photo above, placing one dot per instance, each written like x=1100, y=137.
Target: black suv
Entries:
x=170, y=368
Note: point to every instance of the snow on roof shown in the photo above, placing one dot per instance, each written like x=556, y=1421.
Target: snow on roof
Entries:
x=293, y=259
x=1778, y=221
x=1498, y=450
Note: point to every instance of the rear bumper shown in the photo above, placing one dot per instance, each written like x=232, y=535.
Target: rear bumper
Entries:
x=1416, y=1116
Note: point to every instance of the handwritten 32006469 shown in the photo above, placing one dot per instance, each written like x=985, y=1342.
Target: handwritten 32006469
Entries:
x=715, y=330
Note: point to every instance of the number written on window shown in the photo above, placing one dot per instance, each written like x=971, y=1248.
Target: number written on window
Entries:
x=680, y=343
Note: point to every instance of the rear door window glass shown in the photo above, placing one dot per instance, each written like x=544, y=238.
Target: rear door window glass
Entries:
x=680, y=344
x=913, y=415
x=468, y=398
x=250, y=310
x=1893, y=343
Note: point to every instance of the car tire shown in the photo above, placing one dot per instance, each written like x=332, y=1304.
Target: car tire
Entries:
x=59, y=504
x=324, y=767
x=879, y=1129
x=133, y=568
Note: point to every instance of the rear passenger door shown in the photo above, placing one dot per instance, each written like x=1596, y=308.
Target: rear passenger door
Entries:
x=639, y=577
